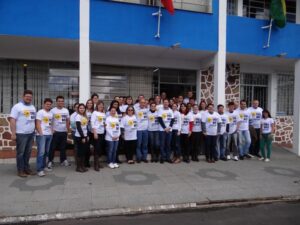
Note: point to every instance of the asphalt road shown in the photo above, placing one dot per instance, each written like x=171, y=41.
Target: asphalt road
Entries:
x=275, y=214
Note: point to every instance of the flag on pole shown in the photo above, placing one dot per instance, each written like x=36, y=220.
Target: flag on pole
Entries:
x=168, y=4
x=278, y=12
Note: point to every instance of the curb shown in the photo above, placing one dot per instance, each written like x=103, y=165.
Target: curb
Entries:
x=209, y=204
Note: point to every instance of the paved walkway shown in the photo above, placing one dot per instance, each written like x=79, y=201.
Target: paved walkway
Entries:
x=142, y=185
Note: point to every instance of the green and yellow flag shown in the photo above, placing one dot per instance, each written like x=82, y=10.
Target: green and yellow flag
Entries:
x=278, y=12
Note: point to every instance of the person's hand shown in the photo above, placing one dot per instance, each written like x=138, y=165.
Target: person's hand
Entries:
x=115, y=138
x=96, y=136
x=205, y=134
x=13, y=137
x=83, y=140
x=178, y=133
x=189, y=134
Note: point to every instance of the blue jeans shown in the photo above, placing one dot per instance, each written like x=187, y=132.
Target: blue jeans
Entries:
x=165, y=145
x=175, y=144
x=111, y=149
x=221, y=146
x=23, y=150
x=244, y=142
x=154, y=144
x=142, y=145
x=43, y=146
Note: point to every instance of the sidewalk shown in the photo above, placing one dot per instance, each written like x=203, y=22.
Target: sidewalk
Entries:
x=143, y=185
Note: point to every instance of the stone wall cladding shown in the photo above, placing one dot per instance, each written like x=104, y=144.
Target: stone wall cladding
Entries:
x=284, y=131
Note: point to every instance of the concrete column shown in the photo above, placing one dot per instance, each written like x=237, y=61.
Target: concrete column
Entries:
x=298, y=11
x=198, y=91
x=84, y=52
x=220, y=57
x=272, y=94
x=239, y=7
x=296, y=134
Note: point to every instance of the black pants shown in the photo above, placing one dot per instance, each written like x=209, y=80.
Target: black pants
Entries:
x=59, y=142
x=130, y=148
x=88, y=150
x=255, y=148
x=153, y=141
x=185, y=145
x=210, y=142
x=99, y=147
x=82, y=148
x=195, y=144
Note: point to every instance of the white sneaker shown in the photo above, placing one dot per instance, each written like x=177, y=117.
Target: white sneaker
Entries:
x=41, y=173
x=235, y=158
x=228, y=157
x=267, y=160
x=116, y=165
x=48, y=169
x=111, y=165
x=49, y=166
x=261, y=158
x=65, y=163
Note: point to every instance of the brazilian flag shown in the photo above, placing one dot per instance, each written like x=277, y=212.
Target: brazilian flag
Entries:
x=278, y=12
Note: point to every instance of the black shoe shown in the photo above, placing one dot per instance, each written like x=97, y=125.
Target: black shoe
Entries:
x=196, y=159
x=224, y=159
x=118, y=161
x=258, y=155
x=248, y=156
x=138, y=161
x=241, y=157
x=162, y=161
x=169, y=161
x=152, y=160
x=156, y=160
x=145, y=160
x=188, y=161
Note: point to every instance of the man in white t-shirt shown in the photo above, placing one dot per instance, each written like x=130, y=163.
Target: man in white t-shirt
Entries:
x=222, y=138
x=22, y=125
x=255, y=119
x=61, y=127
x=43, y=135
x=232, y=130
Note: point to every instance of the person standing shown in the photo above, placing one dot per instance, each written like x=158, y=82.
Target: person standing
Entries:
x=61, y=126
x=95, y=99
x=73, y=129
x=22, y=124
x=129, y=131
x=153, y=132
x=43, y=136
x=98, y=128
x=166, y=120
x=89, y=111
x=196, y=133
x=211, y=125
x=141, y=112
x=112, y=136
x=222, y=138
x=255, y=119
x=267, y=132
x=175, y=139
x=232, y=130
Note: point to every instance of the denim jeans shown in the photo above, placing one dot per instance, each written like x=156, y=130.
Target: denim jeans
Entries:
x=165, y=145
x=154, y=144
x=111, y=149
x=24, y=147
x=210, y=141
x=221, y=146
x=142, y=145
x=43, y=146
x=175, y=144
x=232, y=142
x=244, y=142
x=59, y=142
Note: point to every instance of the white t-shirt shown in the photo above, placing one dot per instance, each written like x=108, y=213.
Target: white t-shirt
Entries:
x=255, y=116
x=84, y=123
x=142, y=118
x=177, y=121
x=166, y=115
x=197, y=121
x=244, y=119
x=25, y=118
x=211, y=122
x=224, y=122
x=267, y=125
x=123, y=108
x=98, y=121
x=60, y=117
x=112, y=128
x=73, y=121
x=46, y=120
x=159, y=107
x=153, y=124
x=185, y=123
x=233, y=119
x=129, y=123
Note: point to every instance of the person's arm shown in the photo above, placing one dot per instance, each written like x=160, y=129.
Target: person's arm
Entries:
x=203, y=126
x=161, y=122
x=38, y=126
x=68, y=124
x=273, y=127
x=12, y=122
x=78, y=127
x=227, y=128
x=172, y=122
x=219, y=125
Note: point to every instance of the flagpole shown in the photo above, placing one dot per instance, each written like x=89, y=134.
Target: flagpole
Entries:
x=159, y=15
x=270, y=31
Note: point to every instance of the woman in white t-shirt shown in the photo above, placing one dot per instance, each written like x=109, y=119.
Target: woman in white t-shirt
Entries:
x=89, y=111
x=81, y=137
x=129, y=133
x=267, y=130
x=98, y=129
x=112, y=136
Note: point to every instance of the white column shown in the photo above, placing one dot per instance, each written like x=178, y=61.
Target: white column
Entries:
x=239, y=7
x=220, y=57
x=296, y=131
x=198, y=90
x=298, y=12
x=272, y=94
x=84, y=52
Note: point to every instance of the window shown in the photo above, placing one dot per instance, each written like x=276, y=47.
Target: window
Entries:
x=285, y=94
x=190, y=5
x=231, y=7
x=254, y=86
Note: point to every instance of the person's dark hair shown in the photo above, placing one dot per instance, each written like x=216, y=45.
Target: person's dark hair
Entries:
x=210, y=104
x=166, y=100
x=153, y=103
x=99, y=103
x=81, y=104
x=59, y=97
x=266, y=111
x=220, y=105
x=186, y=109
x=48, y=100
x=76, y=104
x=231, y=103
x=89, y=100
x=130, y=107
x=94, y=95
x=27, y=92
x=118, y=108
x=243, y=100
x=151, y=99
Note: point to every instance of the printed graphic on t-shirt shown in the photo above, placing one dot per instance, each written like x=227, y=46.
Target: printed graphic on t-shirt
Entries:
x=100, y=119
x=197, y=121
x=164, y=116
x=152, y=118
x=46, y=120
x=83, y=121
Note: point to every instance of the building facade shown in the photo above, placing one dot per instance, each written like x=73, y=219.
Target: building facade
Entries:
x=217, y=49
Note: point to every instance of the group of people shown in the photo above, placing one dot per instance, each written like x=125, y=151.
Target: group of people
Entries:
x=171, y=130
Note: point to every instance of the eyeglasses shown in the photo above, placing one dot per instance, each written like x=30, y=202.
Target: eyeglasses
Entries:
x=130, y=109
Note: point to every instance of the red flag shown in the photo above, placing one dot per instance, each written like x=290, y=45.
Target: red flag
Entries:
x=168, y=4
